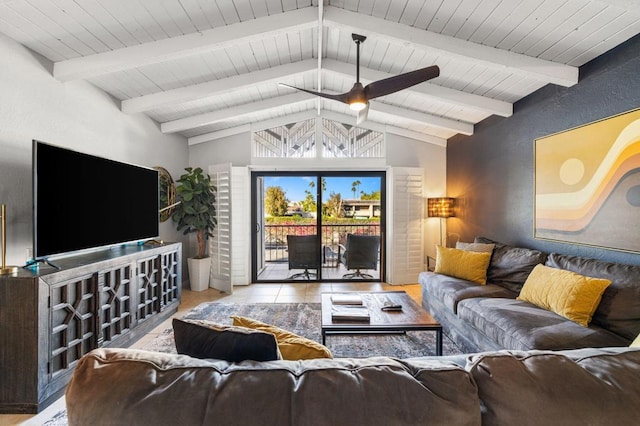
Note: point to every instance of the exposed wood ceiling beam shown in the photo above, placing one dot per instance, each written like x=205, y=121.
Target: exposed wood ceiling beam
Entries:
x=351, y=119
x=457, y=97
x=277, y=74
x=417, y=136
x=320, y=38
x=253, y=127
x=306, y=115
x=630, y=6
x=233, y=112
x=247, y=109
x=186, y=45
x=281, y=121
x=217, y=87
x=423, y=118
x=377, y=28
x=224, y=133
x=296, y=118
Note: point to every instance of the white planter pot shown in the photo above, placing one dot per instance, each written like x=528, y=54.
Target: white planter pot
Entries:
x=199, y=273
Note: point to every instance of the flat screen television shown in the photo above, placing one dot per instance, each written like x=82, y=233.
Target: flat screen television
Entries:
x=81, y=201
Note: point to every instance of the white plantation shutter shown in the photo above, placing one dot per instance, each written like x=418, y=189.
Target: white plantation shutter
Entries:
x=230, y=246
x=405, y=234
x=240, y=226
x=220, y=244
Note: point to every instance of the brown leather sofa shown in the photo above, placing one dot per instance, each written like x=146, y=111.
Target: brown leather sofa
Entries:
x=133, y=387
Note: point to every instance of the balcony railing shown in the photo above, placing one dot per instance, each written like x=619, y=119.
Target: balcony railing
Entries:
x=332, y=236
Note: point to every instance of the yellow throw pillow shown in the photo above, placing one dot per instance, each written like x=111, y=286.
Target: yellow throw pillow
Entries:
x=291, y=346
x=635, y=343
x=566, y=293
x=468, y=265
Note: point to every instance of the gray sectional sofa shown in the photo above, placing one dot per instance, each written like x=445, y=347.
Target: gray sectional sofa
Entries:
x=133, y=387
x=488, y=317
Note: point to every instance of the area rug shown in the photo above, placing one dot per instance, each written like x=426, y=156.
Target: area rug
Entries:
x=304, y=319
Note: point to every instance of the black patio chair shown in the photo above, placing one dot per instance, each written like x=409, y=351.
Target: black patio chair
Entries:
x=361, y=252
x=304, y=253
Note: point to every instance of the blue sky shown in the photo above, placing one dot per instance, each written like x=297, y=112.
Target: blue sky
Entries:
x=294, y=186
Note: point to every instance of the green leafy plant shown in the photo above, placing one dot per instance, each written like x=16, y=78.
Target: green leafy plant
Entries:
x=196, y=211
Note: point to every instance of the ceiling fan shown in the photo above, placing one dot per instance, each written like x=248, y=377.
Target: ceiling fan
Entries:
x=358, y=97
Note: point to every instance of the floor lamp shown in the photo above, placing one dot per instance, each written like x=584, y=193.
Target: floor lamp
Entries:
x=4, y=269
x=441, y=207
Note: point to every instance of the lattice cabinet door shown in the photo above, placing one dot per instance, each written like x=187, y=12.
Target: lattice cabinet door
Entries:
x=117, y=310
x=74, y=323
x=149, y=287
x=170, y=283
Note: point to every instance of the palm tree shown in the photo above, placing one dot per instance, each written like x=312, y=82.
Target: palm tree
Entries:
x=354, y=187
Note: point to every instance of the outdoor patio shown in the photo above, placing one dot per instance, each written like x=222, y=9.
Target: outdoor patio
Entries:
x=333, y=239
x=281, y=271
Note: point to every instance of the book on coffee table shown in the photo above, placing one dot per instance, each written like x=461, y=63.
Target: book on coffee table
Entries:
x=346, y=299
x=350, y=313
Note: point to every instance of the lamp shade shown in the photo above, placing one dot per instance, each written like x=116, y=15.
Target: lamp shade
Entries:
x=440, y=207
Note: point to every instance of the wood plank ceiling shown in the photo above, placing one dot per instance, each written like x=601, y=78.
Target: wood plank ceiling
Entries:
x=207, y=68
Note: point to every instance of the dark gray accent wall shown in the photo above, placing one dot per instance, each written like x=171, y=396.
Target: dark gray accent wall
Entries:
x=491, y=172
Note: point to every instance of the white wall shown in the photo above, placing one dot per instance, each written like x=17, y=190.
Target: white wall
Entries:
x=432, y=158
x=33, y=105
x=234, y=149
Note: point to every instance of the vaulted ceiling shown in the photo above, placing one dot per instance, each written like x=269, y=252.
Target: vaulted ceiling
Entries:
x=208, y=69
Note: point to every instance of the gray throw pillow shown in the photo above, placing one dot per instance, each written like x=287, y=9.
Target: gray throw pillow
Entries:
x=477, y=247
x=208, y=340
x=510, y=266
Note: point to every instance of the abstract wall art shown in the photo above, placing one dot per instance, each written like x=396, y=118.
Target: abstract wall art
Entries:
x=587, y=184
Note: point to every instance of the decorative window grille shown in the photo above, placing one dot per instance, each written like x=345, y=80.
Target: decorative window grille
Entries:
x=289, y=141
x=298, y=140
x=344, y=141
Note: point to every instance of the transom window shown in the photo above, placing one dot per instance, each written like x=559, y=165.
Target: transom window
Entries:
x=299, y=140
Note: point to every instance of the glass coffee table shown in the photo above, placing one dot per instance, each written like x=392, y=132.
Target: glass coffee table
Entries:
x=412, y=317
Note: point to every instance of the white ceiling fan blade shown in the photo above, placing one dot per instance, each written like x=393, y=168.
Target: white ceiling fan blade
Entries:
x=363, y=114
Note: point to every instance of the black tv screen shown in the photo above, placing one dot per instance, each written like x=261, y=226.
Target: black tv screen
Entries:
x=81, y=201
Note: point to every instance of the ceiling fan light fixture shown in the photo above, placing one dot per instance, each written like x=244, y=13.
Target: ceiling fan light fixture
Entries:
x=357, y=99
x=357, y=105
x=359, y=96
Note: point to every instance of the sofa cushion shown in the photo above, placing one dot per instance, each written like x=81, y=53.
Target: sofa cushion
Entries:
x=450, y=291
x=204, y=339
x=566, y=293
x=132, y=387
x=619, y=309
x=463, y=264
x=510, y=266
x=292, y=346
x=515, y=324
x=547, y=388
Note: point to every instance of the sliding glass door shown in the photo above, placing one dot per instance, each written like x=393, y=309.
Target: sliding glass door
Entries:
x=318, y=226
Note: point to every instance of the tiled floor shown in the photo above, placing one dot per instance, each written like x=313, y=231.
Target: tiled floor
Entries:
x=255, y=293
x=281, y=271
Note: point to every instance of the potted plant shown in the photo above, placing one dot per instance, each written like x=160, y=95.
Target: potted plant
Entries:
x=196, y=213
